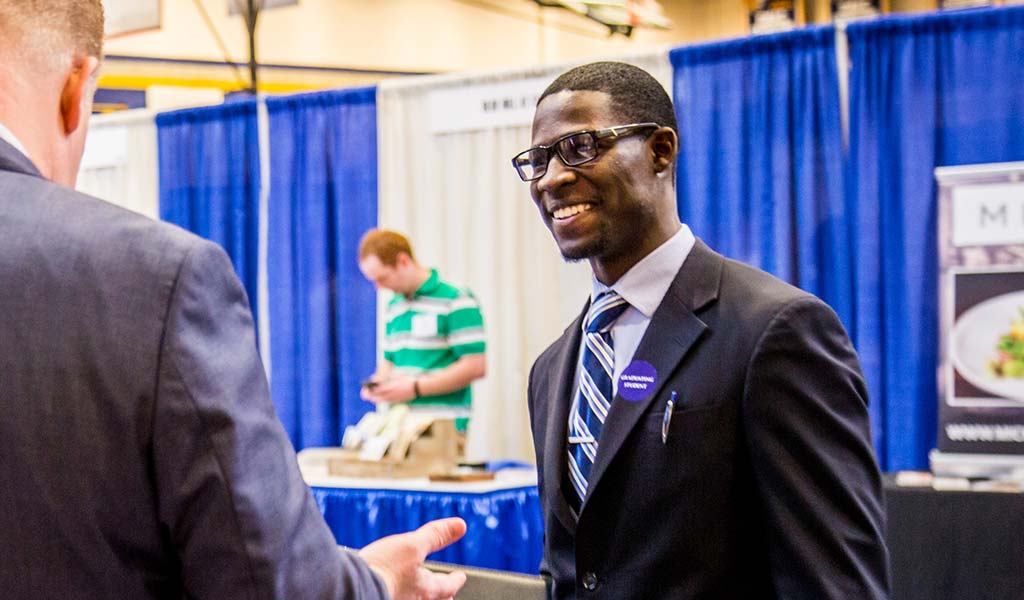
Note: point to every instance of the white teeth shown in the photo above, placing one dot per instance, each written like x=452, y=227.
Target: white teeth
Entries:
x=567, y=211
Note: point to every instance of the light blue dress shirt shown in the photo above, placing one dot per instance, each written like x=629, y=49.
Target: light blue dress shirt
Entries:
x=643, y=286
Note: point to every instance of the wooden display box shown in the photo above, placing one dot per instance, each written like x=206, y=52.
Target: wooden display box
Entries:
x=422, y=446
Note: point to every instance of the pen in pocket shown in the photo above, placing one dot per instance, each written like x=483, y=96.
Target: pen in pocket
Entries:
x=667, y=419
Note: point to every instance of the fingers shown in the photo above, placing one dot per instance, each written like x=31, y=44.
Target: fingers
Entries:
x=446, y=585
x=383, y=392
x=398, y=559
x=438, y=534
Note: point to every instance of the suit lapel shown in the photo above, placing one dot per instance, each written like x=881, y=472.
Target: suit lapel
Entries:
x=673, y=330
x=556, y=440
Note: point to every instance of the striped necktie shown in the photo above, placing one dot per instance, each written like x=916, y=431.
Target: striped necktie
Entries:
x=592, y=401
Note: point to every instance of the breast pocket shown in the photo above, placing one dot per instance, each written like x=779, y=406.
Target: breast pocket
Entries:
x=684, y=423
x=699, y=443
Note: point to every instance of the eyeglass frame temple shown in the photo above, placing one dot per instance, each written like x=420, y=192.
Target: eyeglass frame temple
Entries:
x=615, y=131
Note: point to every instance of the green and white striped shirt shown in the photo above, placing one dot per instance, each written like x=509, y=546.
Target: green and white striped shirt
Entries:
x=438, y=325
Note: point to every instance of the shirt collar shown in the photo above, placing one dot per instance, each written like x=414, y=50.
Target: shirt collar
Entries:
x=8, y=136
x=645, y=284
x=429, y=285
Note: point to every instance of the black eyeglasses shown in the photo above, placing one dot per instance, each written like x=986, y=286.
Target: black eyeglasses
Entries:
x=573, y=149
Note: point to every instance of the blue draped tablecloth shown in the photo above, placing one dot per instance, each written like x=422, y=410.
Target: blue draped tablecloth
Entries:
x=505, y=528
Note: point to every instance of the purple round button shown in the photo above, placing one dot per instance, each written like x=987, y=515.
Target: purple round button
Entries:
x=637, y=381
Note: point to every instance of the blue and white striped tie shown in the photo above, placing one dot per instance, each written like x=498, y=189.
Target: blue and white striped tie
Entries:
x=592, y=401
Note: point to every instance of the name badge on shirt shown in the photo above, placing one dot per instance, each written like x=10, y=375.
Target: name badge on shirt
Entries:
x=424, y=326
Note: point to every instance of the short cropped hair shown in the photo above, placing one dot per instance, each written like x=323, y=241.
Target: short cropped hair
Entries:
x=54, y=28
x=385, y=244
x=637, y=97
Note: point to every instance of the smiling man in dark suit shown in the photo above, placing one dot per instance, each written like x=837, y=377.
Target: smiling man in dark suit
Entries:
x=140, y=456
x=701, y=428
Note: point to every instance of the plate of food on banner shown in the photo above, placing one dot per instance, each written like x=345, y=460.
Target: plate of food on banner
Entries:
x=988, y=345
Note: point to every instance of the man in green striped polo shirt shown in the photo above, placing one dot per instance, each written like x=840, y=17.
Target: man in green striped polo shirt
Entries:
x=434, y=334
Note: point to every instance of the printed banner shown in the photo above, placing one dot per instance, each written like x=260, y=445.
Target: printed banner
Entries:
x=981, y=238
x=506, y=104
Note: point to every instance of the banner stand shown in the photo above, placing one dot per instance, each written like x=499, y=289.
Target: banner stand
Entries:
x=981, y=330
x=977, y=466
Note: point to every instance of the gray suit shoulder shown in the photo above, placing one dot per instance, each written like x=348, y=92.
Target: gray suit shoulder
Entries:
x=757, y=292
x=78, y=224
x=770, y=286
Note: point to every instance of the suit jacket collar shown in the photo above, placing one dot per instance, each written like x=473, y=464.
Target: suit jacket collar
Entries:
x=11, y=159
x=674, y=329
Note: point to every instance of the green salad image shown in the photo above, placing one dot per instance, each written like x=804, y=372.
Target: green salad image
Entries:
x=1009, y=360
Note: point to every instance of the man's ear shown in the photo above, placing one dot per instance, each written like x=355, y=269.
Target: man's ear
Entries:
x=664, y=144
x=74, y=97
x=402, y=260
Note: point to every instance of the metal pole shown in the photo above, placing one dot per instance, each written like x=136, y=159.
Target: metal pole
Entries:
x=250, y=23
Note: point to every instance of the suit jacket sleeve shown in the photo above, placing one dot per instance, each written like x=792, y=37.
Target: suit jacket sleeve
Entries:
x=805, y=417
x=231, y=499
x=531, y=399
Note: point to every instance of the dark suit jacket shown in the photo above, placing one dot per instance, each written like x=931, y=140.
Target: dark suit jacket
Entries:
x=140, y=455
x=767, y=486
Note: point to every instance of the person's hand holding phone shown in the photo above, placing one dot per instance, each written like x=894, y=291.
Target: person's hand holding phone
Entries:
x=396, y=389
x=366, y=388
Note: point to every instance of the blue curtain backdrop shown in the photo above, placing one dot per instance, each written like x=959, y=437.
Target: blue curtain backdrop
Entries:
x=760, y=167
x=925, y=91
x=761, y=160
x=323, y=196
x=210, y=177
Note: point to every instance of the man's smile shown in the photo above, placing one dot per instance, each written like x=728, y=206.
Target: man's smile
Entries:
x=565, y=212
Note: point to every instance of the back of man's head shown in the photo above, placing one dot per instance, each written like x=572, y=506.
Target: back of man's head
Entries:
x=49, y=57
x=37, y=31
x=637, y=97
x=386, y=245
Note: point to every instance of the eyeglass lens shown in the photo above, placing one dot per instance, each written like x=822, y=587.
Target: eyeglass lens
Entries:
x=577, y=149
x=573, y=150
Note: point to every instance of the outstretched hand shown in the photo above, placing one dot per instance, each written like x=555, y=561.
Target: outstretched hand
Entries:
x=398, y=559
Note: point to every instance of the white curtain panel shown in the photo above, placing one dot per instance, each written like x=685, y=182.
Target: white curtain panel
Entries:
x=119, y=164
x=446, y=180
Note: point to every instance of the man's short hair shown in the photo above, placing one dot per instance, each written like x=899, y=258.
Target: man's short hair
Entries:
x=54, y=28
x=637, y=97
x=385, y=244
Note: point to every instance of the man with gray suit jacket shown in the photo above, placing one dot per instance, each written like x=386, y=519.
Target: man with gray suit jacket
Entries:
x=701, y=428
x=140, y=456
